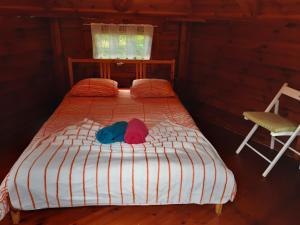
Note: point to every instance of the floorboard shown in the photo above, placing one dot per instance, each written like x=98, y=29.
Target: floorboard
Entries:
x=268, y=201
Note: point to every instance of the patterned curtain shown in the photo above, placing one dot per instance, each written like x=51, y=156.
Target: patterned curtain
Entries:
x=121, y=41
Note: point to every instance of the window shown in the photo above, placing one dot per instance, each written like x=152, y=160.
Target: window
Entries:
x=116, y=41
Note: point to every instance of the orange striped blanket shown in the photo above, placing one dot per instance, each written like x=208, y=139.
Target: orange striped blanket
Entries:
x=69, y=168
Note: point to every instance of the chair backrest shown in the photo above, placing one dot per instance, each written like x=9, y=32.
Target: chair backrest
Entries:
x=286, y=90
x=293, y=93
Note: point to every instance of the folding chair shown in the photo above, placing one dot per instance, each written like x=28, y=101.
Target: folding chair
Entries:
x=277, y=125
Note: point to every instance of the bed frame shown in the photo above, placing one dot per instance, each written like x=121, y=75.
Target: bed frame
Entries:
x=15, y=214
x=105, y=67
x=105, y=72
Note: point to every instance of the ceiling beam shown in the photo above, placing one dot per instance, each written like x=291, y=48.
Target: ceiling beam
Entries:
x=38, y=11
x=187, y=19
x=253, y=12
x=207, y=17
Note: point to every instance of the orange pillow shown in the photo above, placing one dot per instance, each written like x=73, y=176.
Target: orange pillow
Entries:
x=95, y=87
x=151, y=88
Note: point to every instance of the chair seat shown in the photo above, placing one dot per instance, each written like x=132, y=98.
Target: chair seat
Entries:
x=272, y=122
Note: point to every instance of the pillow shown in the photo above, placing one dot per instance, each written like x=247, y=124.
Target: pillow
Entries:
x=147, y=88
x=95, y=87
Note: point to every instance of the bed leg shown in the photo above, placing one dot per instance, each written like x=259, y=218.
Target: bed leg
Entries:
x=218, y=209
x=14, y=214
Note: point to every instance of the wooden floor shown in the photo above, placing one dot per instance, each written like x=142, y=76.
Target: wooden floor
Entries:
x=275, y=200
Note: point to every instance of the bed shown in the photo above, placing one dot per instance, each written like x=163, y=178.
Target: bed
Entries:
x=64, y=166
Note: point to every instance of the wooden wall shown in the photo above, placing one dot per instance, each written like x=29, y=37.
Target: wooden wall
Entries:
x=235, y=66
x=25, y=77
x=233, y=55
x=33, y=65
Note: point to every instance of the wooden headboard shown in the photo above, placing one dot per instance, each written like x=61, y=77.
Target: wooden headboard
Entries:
x=105, y=65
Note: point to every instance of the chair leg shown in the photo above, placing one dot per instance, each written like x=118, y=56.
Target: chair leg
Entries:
x=280, y=153
x=272, y=144
x=254, y=128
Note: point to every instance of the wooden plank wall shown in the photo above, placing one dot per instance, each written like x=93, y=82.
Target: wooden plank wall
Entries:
x=25, y=77
x=233, y=62
x=235, y=66
x=77, y=42
x=33, y=53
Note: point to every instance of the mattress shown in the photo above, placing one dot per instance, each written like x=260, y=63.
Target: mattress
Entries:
x=106, y=110
x=64, y=166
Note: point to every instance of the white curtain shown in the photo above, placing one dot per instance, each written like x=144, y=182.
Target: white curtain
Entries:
x=121, y=41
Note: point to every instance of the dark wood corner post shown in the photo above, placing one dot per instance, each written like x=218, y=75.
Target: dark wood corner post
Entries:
x=58, y=57
x=183, y=56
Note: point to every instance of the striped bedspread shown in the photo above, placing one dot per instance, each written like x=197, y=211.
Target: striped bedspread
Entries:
x=176, y=165
x=65, y=167
x=107, y=110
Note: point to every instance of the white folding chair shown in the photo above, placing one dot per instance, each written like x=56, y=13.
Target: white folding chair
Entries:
x=277, y=125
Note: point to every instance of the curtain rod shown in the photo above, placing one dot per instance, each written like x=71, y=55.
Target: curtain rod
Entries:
x=88, y=24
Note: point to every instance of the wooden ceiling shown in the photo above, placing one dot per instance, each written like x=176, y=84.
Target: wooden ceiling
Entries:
x=185, y=9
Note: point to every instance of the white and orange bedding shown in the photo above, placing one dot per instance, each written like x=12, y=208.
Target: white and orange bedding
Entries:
x=107, y=110
x=65, y=166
